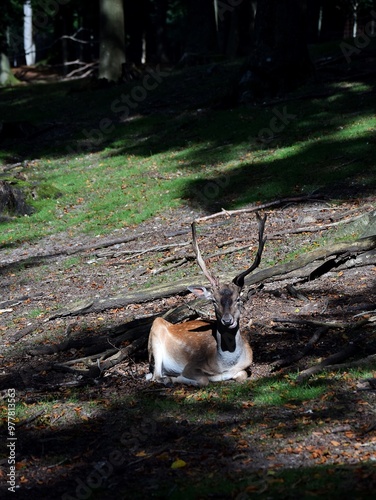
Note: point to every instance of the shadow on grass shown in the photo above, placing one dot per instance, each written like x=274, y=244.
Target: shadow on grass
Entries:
x=315, y=141
x=123, y=437
x=163, y=447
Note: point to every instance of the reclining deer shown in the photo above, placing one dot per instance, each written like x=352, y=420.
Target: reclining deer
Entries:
x=196, y=352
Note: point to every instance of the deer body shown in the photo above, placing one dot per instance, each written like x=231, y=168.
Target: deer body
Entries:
x=198, y=352
x=195, y=353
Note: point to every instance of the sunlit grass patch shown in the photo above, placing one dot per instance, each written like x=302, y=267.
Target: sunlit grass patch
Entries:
x=282, y=392
x=209, y=158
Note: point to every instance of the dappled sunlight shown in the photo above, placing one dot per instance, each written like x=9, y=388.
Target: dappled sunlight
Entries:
x=132, y=142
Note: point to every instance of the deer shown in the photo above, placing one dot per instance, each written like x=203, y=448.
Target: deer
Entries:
x=197, y=352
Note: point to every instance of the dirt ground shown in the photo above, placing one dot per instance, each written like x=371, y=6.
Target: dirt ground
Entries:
x=41, y=278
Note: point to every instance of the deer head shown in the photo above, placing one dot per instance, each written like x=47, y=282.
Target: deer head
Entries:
x=226, y=298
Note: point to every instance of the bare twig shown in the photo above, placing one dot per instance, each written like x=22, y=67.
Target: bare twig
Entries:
x=275, y=203
x=314, y=229
x=88, y=68
x=136, y=253
x=30, y=419
x=305, y=322
x=165, y=269
x=72, y=251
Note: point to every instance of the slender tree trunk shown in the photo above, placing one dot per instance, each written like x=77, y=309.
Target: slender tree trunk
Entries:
x=136, y=15
x=333, y=21
x=112, y=39
x=279, y=60
x=156, y=33
x=65, y=50
x=89, y=21
x=29, y=44
x=314, y=12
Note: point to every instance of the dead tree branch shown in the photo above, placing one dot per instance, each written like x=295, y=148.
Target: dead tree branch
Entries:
x=69, y=251
x=179, y=287
x=333, y=359
x=134, y=334
x=346, y=249
x=315, y=229
x=275, y=203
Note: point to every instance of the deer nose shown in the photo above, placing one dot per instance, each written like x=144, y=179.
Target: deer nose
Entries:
x=227, y=319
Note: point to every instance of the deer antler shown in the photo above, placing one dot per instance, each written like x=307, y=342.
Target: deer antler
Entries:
x=239, y=279
x=213, y=281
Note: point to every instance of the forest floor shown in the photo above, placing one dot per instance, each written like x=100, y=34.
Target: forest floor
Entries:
x=120, y=436
x=123, y=437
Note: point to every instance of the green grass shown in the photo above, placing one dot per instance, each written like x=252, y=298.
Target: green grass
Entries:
x=35, y=313
x=254, y=412
x=210, y=402
x=210, y=158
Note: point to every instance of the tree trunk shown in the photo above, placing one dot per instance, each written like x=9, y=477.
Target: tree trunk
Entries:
x=314, y=12
x=29, y=44
x=136, y=14
x=89, y=22
x=235, y=26
x=157, y=33
x=333, y=21
x=279, y=60
x=200, y=27
x=112, y=39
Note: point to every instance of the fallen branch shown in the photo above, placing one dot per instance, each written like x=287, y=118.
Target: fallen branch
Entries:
x=315, y=229
x=325, y=324
x=135, y=333
x=25, y=331
x=136, y=253
x=368, y=361
x=275, y=203
x=289, y=360
x=179, y=287
x=311, y=322
x=348, y=248
x=165, y=269
x=30, y=419
x=333, y=359
x=36, y=259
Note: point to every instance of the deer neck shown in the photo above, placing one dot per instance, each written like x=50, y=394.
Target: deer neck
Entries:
x=227, y=338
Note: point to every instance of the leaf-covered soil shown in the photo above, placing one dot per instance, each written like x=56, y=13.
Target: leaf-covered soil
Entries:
x=123, y=437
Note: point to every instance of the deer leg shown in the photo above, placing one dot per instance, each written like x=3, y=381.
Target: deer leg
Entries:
x=193, y=376
x=155, y=349
x=241, y=376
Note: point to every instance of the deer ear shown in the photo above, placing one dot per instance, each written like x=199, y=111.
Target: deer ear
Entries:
x=200, y=291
